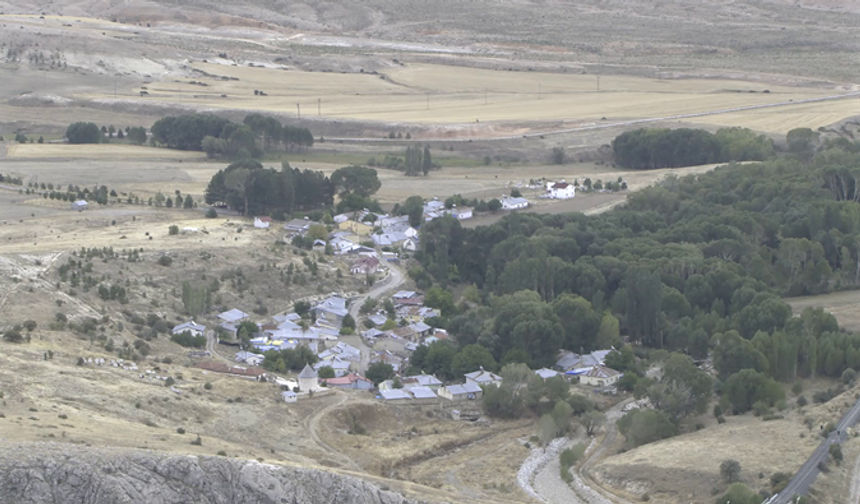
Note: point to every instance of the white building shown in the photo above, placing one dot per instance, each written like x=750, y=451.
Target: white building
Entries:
x=289, y=396
x=308, y=379
x=600, y=376
x=79, y=205
x=192, y=327
x=262, y=222
x=482, y=377
x=561, y=190
x=514, y=203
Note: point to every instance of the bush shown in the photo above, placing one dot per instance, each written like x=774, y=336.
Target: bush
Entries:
x=169, y=382
x=173, y=230
x=180, y=431
x=718, y=411
x=836, y=453
x=730, y=470
x=198, y=441
x=211, y=213
x=165, y=260
x=801, y=401
x=848, y=376
x=208, y=386
x=797, y=388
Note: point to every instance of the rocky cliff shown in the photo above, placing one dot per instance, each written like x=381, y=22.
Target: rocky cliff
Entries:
x=41, y=473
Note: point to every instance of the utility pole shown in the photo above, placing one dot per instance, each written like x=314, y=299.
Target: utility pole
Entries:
x=298, y=110
x=428, y=101
x=319, y=106
x=598, y=83
x=538, y=90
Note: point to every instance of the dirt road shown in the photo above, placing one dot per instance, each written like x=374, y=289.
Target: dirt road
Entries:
x=312, y=424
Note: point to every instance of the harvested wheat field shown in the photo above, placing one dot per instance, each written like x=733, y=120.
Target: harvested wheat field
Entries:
x=437, y=94
x=117, y=152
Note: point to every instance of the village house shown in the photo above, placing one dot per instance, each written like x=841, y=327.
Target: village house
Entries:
x=331, y=310
x=233, y=316
x=378, y=319
x=600, y=376
x=420, y=328
x=190, y=327
x=461, y=213
x=351, y=381
x=464, y=392
x=560, y=190
x=573, y=363
x=289, y=396
x=422, y=395
x=394, y=395
x=482, y=377
x=80, y=205
x=262, y=222
x=514, y=203
x=338, y=365
x=297, y=227
x=342, y=351
x=249, y=358
x=372, y=333
x=308, y=379
x=546, y=373
x=365, y=266
x=411, y=244
x=388, y=357
x=422, y=380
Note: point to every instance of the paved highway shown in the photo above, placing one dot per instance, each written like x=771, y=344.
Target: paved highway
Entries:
x=800, y=483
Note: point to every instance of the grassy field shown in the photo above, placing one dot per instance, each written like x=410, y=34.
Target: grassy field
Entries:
x=845, y=306
x=436, y=94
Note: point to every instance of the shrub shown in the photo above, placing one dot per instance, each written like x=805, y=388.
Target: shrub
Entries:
x=211, y=213
x=730, y=470
x=180, y=431
x=222, y=453
x=208, y=386
x=165, y=260
x=718, y=411
x=797, y=388
x=169, y=382
x=801, y=401
x=848, y=376
x=836, y=453
x=198, y=441
x=173, y=230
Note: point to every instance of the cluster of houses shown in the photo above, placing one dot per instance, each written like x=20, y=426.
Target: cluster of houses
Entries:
x=590, y=369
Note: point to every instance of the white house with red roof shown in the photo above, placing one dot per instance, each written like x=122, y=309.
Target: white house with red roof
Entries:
x=262, y=222
x=561, y=190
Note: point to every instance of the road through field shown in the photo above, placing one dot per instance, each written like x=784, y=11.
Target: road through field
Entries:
x=634, y=122
x=805, y=477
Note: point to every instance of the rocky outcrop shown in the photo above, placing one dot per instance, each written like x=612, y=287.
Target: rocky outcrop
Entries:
x=41, y=473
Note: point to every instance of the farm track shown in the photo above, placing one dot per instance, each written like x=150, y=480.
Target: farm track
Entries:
x=621, y=124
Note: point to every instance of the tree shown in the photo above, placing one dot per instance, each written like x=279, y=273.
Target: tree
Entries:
x=358, y=180
x=802, y=142
x=427, y=162
x=326, y=372
x=13, y=336
x=547, y=429
x=738, y=493
x=557, y=389
x=509, y=399
x=83, y=132
x=369, y=305
x=494, y=205
x=748, y=387
x=471, y=358
x=348, y=321
x=414, y=208
x=730, y=471
x=515, y=193
x=559, y=156
x=644, y=300
x=302, y=308
x=645, y=426
x=591, y=421
x=693, y=386
x=378, y=372
x=188, y=203
x=580, y=404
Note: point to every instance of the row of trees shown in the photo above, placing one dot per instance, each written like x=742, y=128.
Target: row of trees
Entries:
x=650, y=148
x=221, y=137
x=89, y=133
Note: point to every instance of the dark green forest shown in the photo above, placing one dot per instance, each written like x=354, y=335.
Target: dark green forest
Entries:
x=650, y=148
x=697, y=265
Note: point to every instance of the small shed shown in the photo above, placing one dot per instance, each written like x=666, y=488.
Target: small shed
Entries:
x=262, y=222
x=289, y=396
x=80, y=205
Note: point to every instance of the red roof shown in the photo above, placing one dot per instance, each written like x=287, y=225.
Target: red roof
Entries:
x=265, y=219
x=413, y=301
x=346, y=380
x=369, y=261
x=560, y=185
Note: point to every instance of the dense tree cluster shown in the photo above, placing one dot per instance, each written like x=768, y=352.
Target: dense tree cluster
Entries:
x=218, y=136
x=84, y=133
x=247, y=187
x=650, y=148
x=281, y=361
x=697, y=266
